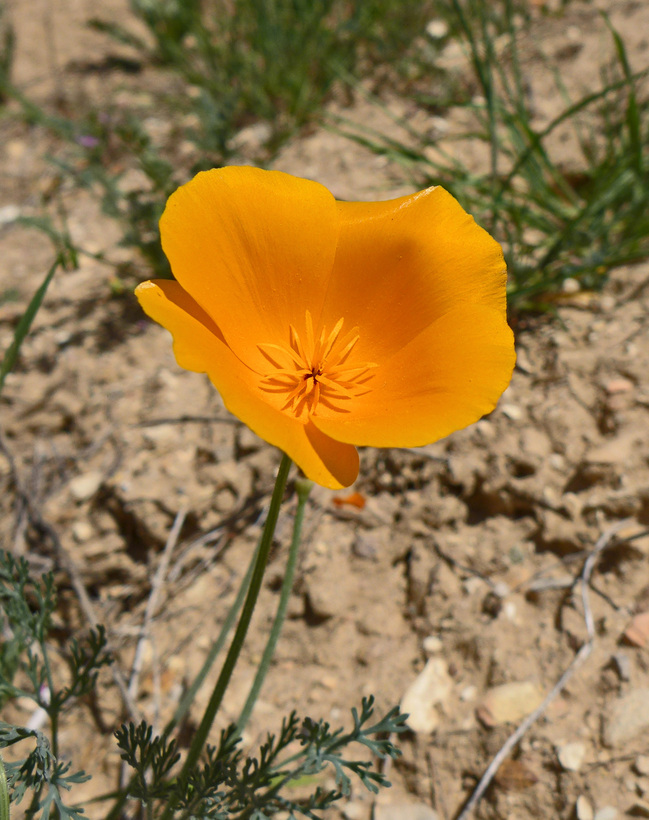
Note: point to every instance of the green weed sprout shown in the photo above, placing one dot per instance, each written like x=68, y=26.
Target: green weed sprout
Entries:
x=554, y=223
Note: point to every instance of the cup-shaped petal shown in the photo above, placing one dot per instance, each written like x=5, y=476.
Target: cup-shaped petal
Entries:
x=402, y=264
x=199, y=346
x=251, y=246
x=444, y=379
x=327, y=325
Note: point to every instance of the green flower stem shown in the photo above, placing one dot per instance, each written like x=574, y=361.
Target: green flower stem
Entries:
x=187, y=700
x=303, y=488
x=203, y=730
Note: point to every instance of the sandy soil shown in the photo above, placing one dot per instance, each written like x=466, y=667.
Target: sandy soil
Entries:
x=465, y=561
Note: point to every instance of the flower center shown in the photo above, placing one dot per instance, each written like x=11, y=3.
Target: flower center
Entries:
x=313, y=373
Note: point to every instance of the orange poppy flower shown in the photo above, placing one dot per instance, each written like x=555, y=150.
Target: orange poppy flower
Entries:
x=328, y=325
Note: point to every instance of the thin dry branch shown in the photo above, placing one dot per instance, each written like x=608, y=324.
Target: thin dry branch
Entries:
x=66, y=563
x=513, y=740
x=152, y=604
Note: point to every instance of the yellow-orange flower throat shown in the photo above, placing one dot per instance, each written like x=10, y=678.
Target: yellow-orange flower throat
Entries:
x=312, y=373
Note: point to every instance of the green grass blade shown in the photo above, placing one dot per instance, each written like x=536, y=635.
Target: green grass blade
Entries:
x=633, y=111
x=25, y=323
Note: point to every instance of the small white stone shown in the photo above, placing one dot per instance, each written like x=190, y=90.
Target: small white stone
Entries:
x=9, y=214
x=437, y=29
x=512, y=411
x=469, y=693
x=430, y=688
x=607, y=813
x=356, y=810
x=509, y=702
x=557, y=462
x=81, y=531
x=570, y=286
x=583, y=809
x=571, y=756
x=83, y=487
x=501, y=589
x=641, y=764
x=432, y=645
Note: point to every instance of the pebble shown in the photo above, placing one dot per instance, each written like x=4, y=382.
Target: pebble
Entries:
x=83, y=487
x=509, y=703
x=583, y=809
x=9, y=214
x=81, y=531
x=501, y=589
x=404, y=811
x=437, y=29
x=637, y=631
x=512, y=411
x=619, y=386
x=606, y=813
x=431, y=687
x=622, y=664
x=641, y=764
x=432, y=645
x=355, y=810
x=368, y=545
x=628, y=718
x=571, y=285
x=571, y=756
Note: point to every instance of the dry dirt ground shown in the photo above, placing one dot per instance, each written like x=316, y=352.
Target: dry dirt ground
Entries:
x=465, y=561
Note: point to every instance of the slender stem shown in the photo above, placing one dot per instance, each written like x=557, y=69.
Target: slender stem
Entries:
x=183, y=707
x=303, y=488
x=228, y=623
x=203, y=730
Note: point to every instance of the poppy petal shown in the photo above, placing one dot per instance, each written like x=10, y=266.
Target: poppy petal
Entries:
x=446, y=378
x=251, y=246
x=402, y=264
x=200, y=346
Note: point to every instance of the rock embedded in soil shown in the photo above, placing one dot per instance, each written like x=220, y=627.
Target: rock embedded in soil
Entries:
x=432, y=687
x=571, y=756
x=607, y=813
x=509, y=703
x=583, y=809
x=356, y=810
x=622, y=665
x=628, y=717
x=83, y=487
x=641, y=764
x=637, y=631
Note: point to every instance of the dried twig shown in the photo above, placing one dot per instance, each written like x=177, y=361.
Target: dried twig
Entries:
x=67, y=564
x=579, y=658
x=152, y=603
x=187, y=419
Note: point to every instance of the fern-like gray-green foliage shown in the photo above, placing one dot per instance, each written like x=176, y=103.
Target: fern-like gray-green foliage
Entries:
x=25, y=671
x=225, y=785
x=230, y=786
